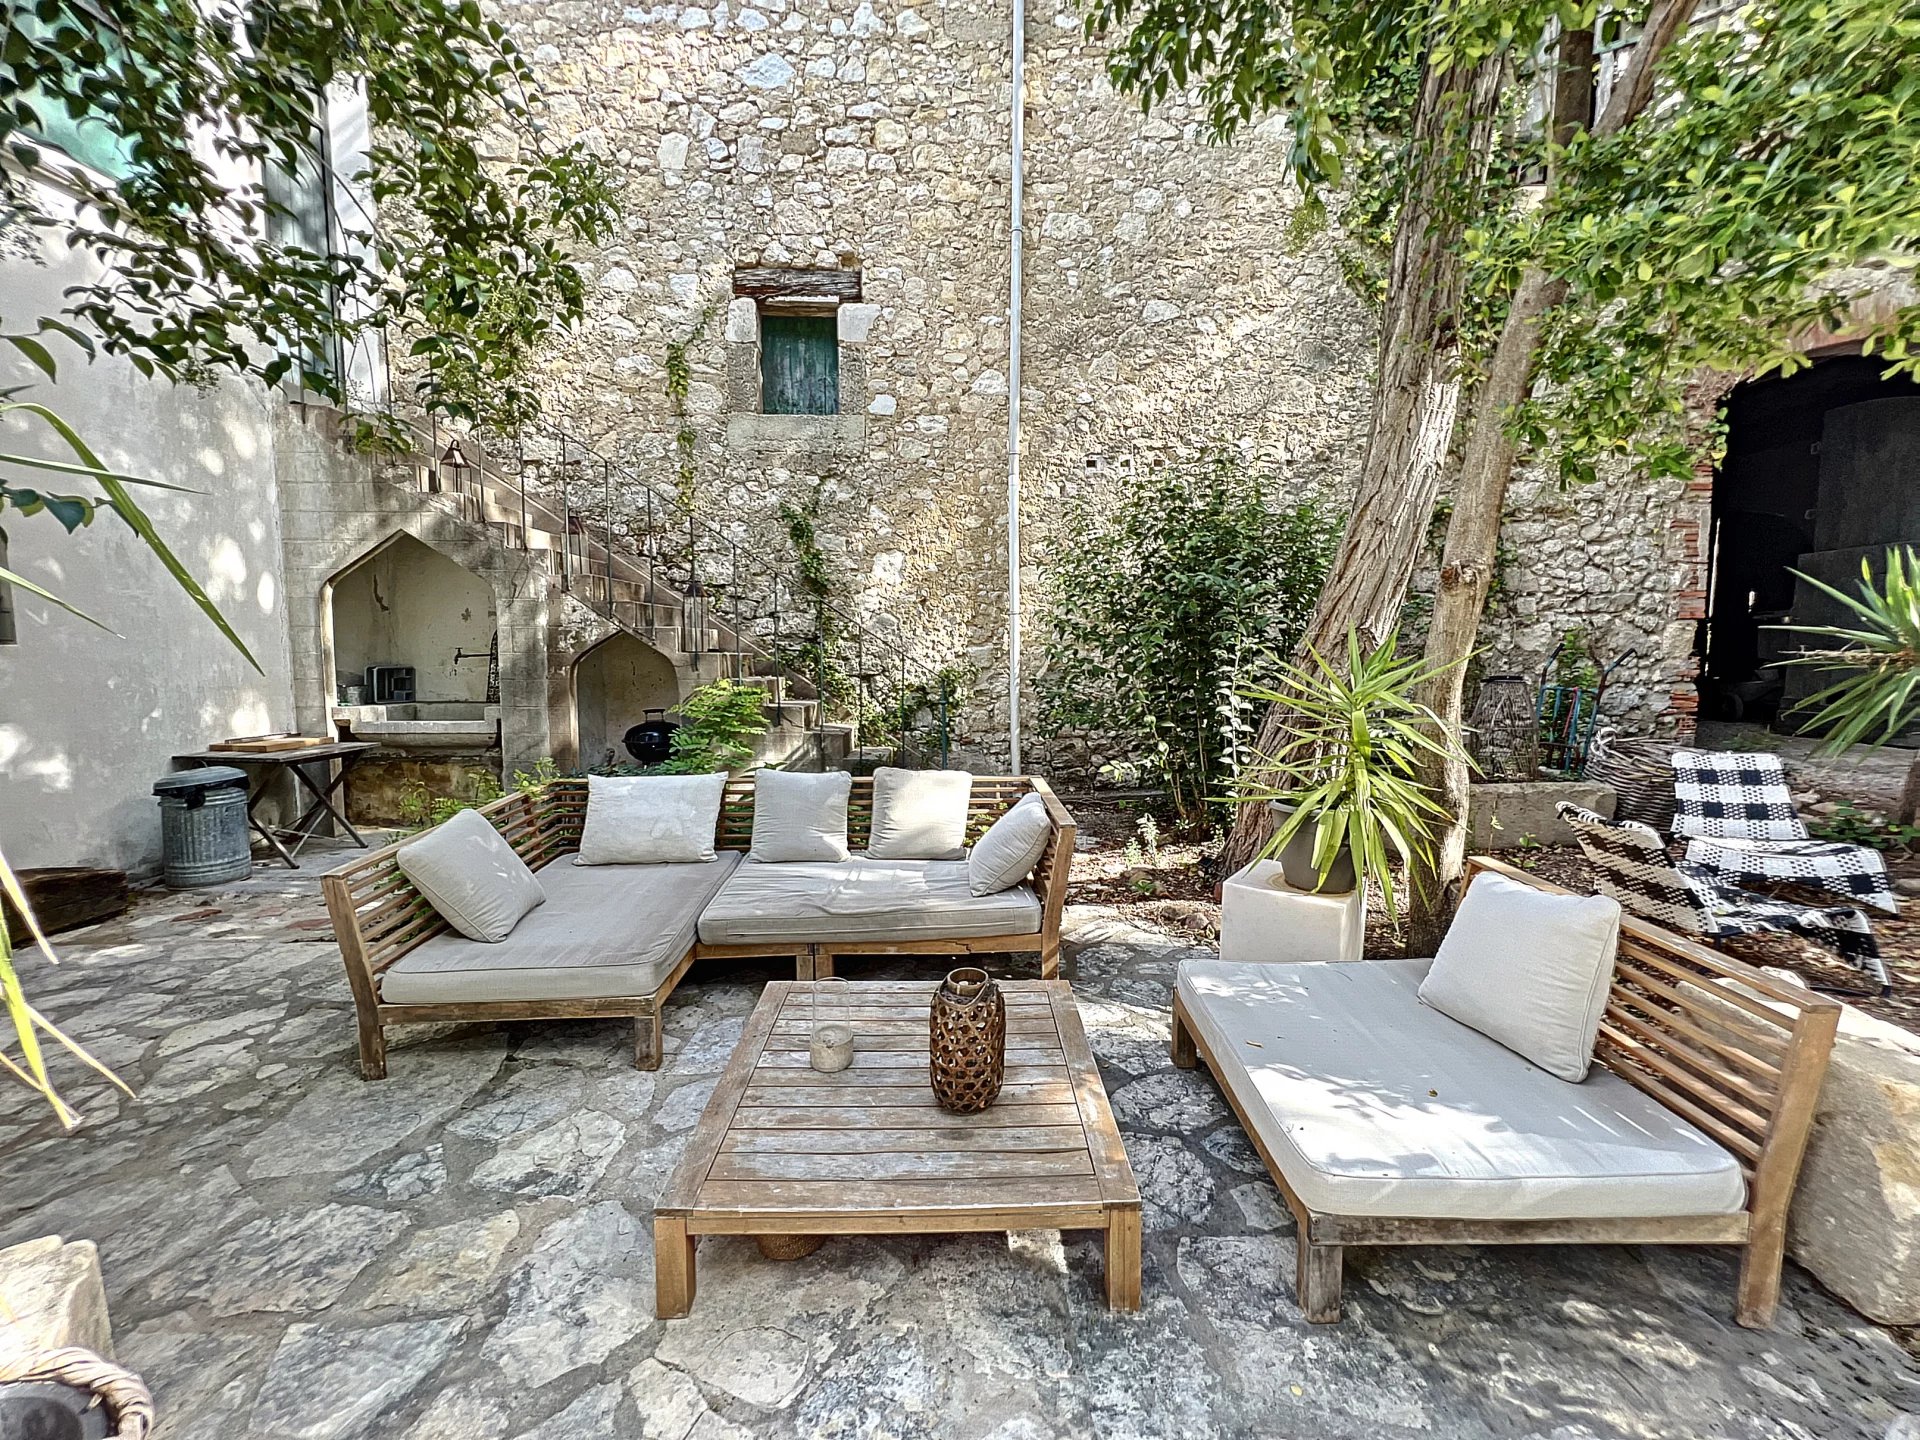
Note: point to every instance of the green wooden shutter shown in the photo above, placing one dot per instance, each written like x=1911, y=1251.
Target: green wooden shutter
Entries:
x=799, y=365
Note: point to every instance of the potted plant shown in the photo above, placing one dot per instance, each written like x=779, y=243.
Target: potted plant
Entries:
x=1344, y=787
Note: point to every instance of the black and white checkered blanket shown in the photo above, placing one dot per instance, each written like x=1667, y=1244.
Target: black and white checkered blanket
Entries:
x=1737, y=813
x=1631, y=864
x=1852, y=872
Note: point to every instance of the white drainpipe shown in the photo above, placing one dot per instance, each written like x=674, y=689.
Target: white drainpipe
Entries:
x=1016, y=242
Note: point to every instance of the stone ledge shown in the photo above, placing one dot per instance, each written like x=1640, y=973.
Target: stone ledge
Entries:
x=51, y=1297
x=1509, y=814
x=796, y=432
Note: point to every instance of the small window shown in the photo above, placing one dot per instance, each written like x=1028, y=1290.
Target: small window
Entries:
x=87, y=137
x=9, y=633
x=300, y=219
x=799, y=364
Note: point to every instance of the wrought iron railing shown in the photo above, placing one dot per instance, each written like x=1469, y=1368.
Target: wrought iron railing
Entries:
x=642, y=556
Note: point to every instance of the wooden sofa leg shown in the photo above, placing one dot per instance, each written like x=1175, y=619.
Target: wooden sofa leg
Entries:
x=648, y=1042
x=1184, y=1056
x=373, y=1049
x=803, y=965
x=1317, y=1281
x=1050, y=963
x=1758, y=1296
x=822, y=965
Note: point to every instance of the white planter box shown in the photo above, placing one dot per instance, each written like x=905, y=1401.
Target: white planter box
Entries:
x=1265, y=920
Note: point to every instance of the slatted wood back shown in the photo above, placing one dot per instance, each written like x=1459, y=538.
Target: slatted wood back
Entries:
x=992, y=796
x=1728, y=1048
x=379, y=916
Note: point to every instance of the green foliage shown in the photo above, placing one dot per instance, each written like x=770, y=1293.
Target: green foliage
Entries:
x=679, y=370
x=1855, y=826
x=1349, y=762
x=1162, y=608
x=421, y=809
x=816, y=579
x=468, y=262
x=719, y=724
x=1714, y=231
x=1574, y=661
x=1882, y=697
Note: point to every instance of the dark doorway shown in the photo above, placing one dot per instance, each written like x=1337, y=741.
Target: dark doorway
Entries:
x=1822, y=470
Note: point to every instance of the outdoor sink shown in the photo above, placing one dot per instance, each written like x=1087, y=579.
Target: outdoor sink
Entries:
x=424, y=724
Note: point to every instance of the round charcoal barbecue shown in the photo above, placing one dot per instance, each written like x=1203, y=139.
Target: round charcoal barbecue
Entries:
x=651, y=741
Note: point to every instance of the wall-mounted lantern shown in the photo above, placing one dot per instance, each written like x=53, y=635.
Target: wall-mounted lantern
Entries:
x=455, y=471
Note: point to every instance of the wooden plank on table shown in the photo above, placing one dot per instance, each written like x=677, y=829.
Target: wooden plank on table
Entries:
x=775, y=1059
x=900, y=1117
x=1043, y=1092
x=878, y=1142
x=936, y=1164
x=913, y=1200
x=704, y=1143
x=1096, y=1115
x=890, y=1077
x=789, y=1027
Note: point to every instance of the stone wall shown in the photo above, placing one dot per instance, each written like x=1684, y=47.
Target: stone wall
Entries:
x=1168, y=307
x=1163, y=310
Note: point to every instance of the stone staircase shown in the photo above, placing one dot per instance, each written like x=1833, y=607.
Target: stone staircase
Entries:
x=635, y=593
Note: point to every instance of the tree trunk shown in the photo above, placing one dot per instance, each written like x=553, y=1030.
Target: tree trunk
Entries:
x=1469, y=557
x=1416, y=400
x=1908, y=812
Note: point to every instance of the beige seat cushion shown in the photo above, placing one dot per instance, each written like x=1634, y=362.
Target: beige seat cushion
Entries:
x=471, y=876
x=862, y=899
x=1374, y=1104
x=605, y=931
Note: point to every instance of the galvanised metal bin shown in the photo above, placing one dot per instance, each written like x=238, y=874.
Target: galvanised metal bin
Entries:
x=203, y=826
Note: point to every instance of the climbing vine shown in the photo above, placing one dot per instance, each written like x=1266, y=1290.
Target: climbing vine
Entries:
x=679, y=385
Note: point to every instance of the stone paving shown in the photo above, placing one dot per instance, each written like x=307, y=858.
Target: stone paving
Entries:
x=463, y=1252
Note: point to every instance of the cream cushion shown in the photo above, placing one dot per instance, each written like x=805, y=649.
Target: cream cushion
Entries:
x=1371, y=1103
x=471, y=876
x=800, y=817
x=919, y=814
x=1528, y=968
x=862, y=899
x=608, y=931
x=650, y=819
x=1012, y=846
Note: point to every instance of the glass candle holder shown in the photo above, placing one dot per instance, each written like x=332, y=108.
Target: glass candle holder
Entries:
x=830, y=1045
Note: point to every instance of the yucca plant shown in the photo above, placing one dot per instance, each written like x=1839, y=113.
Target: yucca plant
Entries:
x=1882, y=697
x=1348, y=764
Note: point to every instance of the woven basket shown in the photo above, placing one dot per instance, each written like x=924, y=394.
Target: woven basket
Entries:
x=789, y=1247
x=1640, y=770
x=967, y=1041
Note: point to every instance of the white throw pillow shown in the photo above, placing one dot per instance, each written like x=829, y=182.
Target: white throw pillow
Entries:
x=1529, y=969
x=1011, y=847
x=650, y=819
x=919, y=814
x=800, y=817
x=471, y=876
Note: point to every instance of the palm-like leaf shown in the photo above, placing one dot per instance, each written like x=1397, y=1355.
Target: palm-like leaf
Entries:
x=1882, y=698
x=1349, y=759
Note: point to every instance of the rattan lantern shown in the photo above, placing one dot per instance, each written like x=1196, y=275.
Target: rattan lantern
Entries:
x=1504, y=729
x=967, y=1041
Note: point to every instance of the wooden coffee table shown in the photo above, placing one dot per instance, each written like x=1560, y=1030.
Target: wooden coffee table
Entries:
x=786, y=1150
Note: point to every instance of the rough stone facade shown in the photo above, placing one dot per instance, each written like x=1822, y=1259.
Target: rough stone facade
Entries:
x=1163, y=309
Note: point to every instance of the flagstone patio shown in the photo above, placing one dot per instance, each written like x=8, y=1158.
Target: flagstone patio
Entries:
x=463, y=1252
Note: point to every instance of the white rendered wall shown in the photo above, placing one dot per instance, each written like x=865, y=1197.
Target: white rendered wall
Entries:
x=410, y=605
x=88, y=719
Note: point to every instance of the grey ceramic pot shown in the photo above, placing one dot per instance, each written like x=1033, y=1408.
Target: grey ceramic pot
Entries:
x=1296, y=858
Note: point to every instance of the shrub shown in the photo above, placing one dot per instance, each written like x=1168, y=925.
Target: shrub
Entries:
x=1164, y=607
x=719, y=723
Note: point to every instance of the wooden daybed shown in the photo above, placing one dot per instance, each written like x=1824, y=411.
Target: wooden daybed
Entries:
x=380, y=918
x=1431, y=1134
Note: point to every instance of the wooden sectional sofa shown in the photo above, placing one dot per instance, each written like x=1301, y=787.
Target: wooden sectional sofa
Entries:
x=1385, y=1123
x=381, y=919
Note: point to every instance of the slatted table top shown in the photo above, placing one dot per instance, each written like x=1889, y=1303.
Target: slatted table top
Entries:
x=783, y=1148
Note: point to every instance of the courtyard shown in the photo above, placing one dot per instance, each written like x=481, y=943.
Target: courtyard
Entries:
x=463, y=1251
